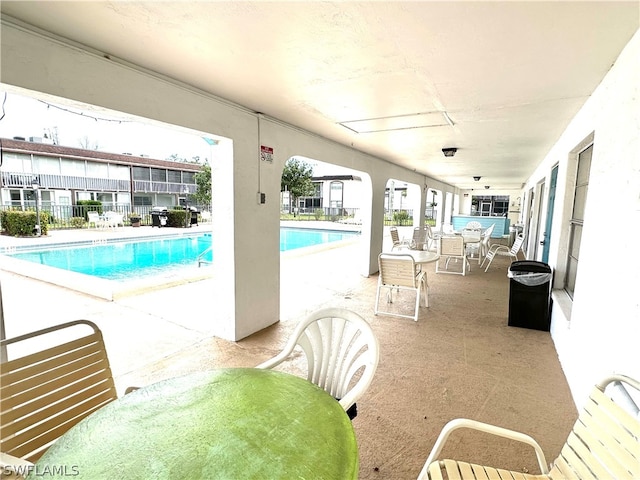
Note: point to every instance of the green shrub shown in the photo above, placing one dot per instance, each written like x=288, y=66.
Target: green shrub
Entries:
x=77, y=222
x=177, y=218
x=318, y=213
x=401, y=217
x=19, y=223
x=84, y=206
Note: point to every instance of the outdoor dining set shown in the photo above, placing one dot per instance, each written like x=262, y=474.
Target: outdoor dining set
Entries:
x=402, y=267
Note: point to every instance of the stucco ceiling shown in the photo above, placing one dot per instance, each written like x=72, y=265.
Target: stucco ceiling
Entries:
x=400, y=80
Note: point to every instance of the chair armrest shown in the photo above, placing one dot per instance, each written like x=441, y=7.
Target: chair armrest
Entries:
x=275, y=361
x=498, y=247
x=14, y=467
x=483, y=427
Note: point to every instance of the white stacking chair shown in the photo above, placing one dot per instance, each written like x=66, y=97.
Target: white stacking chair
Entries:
x=341, y=350
x=432, y=239
x=398, y=271
x=603, y=443
x=44, y=393
x=395, y=238
x=452, y=247
x=419, y=240
x=482, y=246
x=504, y=251
x=486, y=239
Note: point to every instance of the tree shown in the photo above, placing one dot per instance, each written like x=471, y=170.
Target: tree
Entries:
x=203, y=182
x=174, y=157
x=296, y=178
x=86, y=143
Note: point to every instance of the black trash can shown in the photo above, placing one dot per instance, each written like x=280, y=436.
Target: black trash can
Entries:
x=530, y=295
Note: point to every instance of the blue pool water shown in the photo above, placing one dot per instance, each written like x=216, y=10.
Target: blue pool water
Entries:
x=292, y=238
x=124, y=259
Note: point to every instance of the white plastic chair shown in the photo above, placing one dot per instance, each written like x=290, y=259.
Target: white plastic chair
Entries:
x=342, y=353
x=398, y=270
x=603, y=443
x=504, y=251
x=474, y=225
x=486, y=239
x=452, y=247
x=113, y=219
x=94, y=218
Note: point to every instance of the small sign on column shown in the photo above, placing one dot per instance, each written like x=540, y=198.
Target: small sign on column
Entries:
x=266, y=154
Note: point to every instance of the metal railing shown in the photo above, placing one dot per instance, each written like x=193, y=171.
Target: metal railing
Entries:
x=70, y=182
x=75, y=216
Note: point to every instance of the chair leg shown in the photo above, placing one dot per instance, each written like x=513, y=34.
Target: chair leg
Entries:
x=425, y=285
x=375, y=307
x=488, y=264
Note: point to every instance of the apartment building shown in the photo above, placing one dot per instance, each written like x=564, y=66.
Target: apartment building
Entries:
x=66, y=175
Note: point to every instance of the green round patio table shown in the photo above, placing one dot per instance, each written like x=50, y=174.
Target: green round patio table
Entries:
x=242, y=423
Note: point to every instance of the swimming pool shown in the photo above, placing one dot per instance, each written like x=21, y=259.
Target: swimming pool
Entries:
x=120, y=260
x=294, y=238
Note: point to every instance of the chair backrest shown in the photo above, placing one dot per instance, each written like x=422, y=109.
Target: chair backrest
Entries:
x=486, y=236
x=604, y=440
x=489, y=231
x=395, y=238
x=474, y=225
x=341, y=350
x=452, y=246
x=517, y=244
x=47, y=391
x=114, y=218
x=93, y=216
x=397, y=269
x=419, y=239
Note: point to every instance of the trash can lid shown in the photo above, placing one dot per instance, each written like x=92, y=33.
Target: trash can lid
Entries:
x=532, y=266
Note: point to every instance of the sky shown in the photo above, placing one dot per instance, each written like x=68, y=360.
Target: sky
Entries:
x=85, y=126
x=80, y=126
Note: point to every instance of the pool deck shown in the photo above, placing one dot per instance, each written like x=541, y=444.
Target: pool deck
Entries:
x=156, y=324
x=460, y=359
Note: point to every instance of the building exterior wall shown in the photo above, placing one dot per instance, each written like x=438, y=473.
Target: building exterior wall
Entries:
x=67, y=175
x=597, y=332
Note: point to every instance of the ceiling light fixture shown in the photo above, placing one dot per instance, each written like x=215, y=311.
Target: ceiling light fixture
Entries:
x=449, y=152
x=487, y=187
x=477, y=179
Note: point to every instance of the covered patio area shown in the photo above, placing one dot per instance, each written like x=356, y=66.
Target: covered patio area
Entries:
x=460, y=359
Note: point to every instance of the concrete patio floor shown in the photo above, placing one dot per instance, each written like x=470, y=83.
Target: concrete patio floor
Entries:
x=459, y=360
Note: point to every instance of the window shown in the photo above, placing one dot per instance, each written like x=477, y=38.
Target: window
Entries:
x=577, y=218
x=173, y=176
x=188, y=177
x=336, y=189
x=490, y=205
x=141, y=173
x=142, y=201
x=158, y=175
